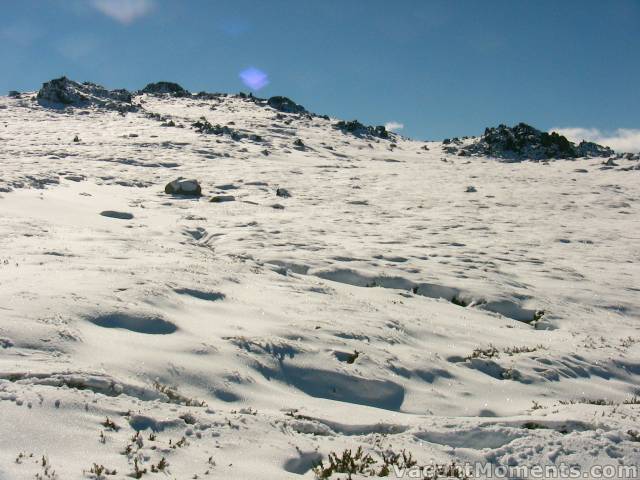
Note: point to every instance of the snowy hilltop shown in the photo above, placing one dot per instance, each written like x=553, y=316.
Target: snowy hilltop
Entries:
x=207, y=285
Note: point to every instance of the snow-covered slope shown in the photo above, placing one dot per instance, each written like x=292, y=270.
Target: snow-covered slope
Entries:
x=398, y=298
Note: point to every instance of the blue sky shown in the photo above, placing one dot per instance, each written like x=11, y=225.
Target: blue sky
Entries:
x=440, y=68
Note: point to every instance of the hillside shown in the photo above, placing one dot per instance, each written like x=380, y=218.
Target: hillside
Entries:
x=333, y=286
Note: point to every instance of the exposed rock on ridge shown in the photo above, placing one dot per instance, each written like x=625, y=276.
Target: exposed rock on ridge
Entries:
x=64, y=92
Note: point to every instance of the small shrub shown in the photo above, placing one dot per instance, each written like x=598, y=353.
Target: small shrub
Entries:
x=100, y=471
x=110, y=425
x=162, y=464
x=348, y=462
x=137, y=471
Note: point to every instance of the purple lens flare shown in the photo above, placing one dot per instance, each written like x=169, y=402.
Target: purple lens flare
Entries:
x=254, y=78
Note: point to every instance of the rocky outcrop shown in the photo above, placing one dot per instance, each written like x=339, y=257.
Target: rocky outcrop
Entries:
x=354, y=127
x=62, y=92
x=204, y=126
x=165, y=88
x=524, y=142
x=591, y=149
x=286, y=105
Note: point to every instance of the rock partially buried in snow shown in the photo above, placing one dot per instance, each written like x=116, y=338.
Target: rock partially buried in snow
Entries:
x=222, y=198
x=116, y=214
x=283, y=193
x=183, y=187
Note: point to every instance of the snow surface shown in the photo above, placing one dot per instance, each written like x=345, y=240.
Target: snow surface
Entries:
x=268, y=331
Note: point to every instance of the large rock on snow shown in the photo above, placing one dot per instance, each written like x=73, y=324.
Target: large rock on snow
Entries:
x=64, y=92
x=523, y=142
x=286, y=105
x=165, y=88
x=183, y=187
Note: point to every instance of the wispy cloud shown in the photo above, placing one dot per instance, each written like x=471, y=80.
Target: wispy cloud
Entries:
x=124, y=11
x=393, y=126
x=621, y=139
x=76, y=47
x=23, y=35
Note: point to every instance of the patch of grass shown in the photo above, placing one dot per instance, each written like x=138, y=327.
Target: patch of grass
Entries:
x=485, y=353
x=99, y=472
x=587, y=401
x=348, y=462
x=523, y=349
x=47, y=472
x=628, y=342
x=492, y=352
x=362, y=464
x=176, y=397
x=402, y=461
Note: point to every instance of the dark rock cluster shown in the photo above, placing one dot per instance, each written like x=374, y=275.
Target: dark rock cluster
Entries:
x=354, y=127
x=526, y=142
x=206, y=127
x=286, y=105
x=62, y=92
x=166, y=88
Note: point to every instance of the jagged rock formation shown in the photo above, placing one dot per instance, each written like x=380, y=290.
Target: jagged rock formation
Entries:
x=286, y=105
x=354, y=127
x=526, y=142
x=165, y=88
x=64, y=92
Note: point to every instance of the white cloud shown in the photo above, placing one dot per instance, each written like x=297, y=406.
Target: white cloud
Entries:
x=123, y=11
x=621, y=140
x=393, y=126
